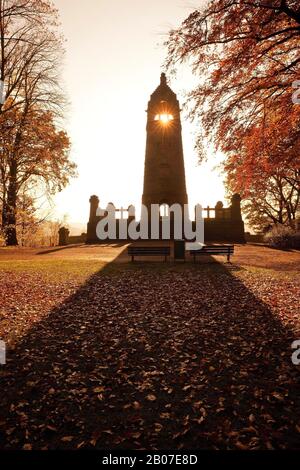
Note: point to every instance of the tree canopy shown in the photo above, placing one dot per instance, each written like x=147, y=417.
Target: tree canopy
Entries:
x=246, y=57
x=34, y=152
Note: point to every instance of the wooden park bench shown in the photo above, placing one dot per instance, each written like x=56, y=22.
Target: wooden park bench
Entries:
x=226, y=250
x=148, y=251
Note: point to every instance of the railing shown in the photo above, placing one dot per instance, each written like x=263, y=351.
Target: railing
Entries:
x=219, y=213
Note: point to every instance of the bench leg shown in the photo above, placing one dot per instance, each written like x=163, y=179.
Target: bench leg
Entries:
x=132, y=258
x=165, y=258
x=228, y=257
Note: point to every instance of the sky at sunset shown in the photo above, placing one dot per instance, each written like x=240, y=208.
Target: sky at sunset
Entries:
x=113, y=62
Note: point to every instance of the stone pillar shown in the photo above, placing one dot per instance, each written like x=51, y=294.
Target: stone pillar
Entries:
x=92, y=223
x=237, y=232
x=94, y=203
x=219, y=210
x=63, y=236
x=236, y=207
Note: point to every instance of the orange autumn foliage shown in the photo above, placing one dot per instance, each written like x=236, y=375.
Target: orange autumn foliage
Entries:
x=246, y=57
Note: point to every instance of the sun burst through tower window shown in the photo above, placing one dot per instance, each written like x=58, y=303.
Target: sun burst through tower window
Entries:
x=164, y=118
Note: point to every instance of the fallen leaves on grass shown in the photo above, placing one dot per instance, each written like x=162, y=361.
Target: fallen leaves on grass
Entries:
x=194, y=357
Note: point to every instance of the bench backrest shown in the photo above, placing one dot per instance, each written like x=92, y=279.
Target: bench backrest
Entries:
x=214, y=249
x=154, y=250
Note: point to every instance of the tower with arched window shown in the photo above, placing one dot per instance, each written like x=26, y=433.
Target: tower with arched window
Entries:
x=164, y=182
x=164, y=174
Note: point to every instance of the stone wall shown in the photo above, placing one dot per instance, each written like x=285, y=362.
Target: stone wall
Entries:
x=226, y=226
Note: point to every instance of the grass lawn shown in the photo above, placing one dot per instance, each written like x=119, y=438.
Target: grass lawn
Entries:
x=103, y=353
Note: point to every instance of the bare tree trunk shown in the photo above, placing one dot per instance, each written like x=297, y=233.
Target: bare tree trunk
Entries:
x=10, y=228
x=30, y=58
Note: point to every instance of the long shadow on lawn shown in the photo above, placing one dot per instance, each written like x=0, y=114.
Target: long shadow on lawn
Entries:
x=156, y=356
x=59, y=248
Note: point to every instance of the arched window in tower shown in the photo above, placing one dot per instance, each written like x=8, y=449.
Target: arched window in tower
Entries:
x=164, y=118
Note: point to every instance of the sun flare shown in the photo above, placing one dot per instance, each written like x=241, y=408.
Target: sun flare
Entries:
x=164, y=118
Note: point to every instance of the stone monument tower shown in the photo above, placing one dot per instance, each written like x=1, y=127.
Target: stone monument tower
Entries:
x=164, y=175
x=164, y=179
